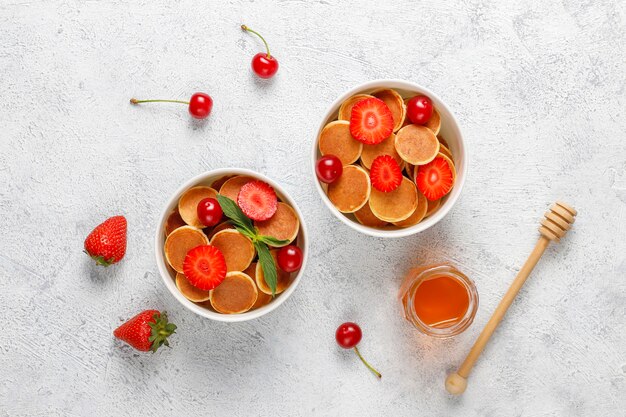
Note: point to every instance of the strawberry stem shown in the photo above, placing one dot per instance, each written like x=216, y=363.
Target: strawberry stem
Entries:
x=246, y=28
x=135, y=101
x=370, y=367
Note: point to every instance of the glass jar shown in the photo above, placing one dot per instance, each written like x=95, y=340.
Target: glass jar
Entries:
x=438, y=300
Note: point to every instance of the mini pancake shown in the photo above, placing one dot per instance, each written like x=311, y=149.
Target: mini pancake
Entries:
x=235, y=295
x=444, y=150
x=233, y=185
x=443, y=141
x=283, y=279
x=419, y=213
x=189, y=291
x=237, y=249
x=407, y=121
x=188, y=204
x=173, y=222
x=386, y=147
x=345, y=111
x=217, y=184
x=337, y=140
x=417, y=145
x=365, y=216
x=222, y=226
x=396, y=205
x=409, y=169
x=181, y=241
x=394, y=101
x=262, y=299
x=283, y=225
x=351, y=190
x=434, y=123
x=432, y=206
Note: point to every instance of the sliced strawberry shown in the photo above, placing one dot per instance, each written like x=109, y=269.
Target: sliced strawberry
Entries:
x=385, y=174
x=434, y=179
x=371, y=121
x=257, y=200
x=205, y=267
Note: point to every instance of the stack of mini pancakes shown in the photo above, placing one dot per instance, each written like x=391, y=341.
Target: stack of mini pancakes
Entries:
x=410, y=145
x=244, y=287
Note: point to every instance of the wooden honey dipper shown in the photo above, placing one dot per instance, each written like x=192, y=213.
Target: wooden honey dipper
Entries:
x=553, y=227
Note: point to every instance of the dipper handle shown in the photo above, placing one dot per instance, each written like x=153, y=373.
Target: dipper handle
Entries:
x=553, y=227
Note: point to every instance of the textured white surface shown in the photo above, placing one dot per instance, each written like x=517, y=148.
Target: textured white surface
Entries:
x=539, y=89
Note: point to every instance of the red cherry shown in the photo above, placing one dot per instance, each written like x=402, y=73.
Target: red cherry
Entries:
x=419, y=110
x=209, y=212
x=290, y=258
x=348, y=335
x=200, y=104
x=263, y=64
x=328, y=168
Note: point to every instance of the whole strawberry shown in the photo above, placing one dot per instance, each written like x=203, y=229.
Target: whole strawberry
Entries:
x=146, y=331
x=106, y=244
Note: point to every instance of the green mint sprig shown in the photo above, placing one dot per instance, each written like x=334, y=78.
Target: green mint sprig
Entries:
x=243, y=224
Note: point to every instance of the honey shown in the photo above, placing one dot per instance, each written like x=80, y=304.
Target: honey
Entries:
x=439, y=300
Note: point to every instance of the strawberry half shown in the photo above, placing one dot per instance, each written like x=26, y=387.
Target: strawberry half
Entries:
x=106, y=244
x=257, y=200
x=385, y=173
x=146, y=331
x=435, y=179
x=205, y=267
x=371, y=121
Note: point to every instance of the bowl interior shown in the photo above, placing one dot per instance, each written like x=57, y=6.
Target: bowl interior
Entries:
x=449, y=130
x=169, y=275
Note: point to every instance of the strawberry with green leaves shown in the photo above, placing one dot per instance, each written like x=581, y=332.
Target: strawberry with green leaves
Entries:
x=147, y=331
x=106, y=244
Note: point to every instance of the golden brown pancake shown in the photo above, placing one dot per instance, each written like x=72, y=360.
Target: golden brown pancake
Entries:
x=386, y=147
x=351, y=190
x=443, y=141
x=396, y=205
x=394, y=101
x=345, y=111
x=444, y=150
x=337, y=140
x=283, y=225
x=283, y=279
x=407, y=121
x=235, y=295
x=365, y=216
x=409, y=170
x=188, y=204
x=237, y=249
x=233, y=185
x=210, y=232
x=217, y=184
x=417, y=145
x=181, y=241
x=418, y=214
x=262, y=299
x=189, y=291
x=174, y=221
x=432, y=206
x=434, y=123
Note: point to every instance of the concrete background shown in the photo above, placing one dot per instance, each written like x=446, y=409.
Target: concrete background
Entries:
x=539, y=89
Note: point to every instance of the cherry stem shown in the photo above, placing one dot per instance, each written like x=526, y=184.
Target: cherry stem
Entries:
x=246, y=28
x=135, y=101
x=370, y=367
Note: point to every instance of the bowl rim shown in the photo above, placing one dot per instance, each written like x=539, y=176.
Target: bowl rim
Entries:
x=159, y=238
x=461, y=175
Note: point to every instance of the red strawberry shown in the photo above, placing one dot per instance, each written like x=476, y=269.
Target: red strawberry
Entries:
x=435, y=179
x=205, y=267
x=106, y=244
x=385, y=174
x=146, y=331
x=257, y=200
x=371, y=121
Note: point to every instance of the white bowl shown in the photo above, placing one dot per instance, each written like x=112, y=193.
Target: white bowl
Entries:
x=169, y=275
x=449, y=130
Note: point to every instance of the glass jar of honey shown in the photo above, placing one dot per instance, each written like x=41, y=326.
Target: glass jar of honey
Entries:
x=439, y=300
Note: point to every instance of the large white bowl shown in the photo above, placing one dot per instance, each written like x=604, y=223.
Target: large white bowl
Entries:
x=169, y=275
x=449, y=130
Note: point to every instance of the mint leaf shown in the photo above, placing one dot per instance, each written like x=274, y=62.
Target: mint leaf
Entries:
x=272, y=241
x=234, y=213
x=267, y=264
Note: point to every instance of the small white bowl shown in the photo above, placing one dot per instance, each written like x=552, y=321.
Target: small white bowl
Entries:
x=450, y=130
x=169, y=275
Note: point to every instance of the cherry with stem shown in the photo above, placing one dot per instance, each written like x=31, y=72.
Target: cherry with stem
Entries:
x=200, y=104
x=263, y=64
x=348, y=335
